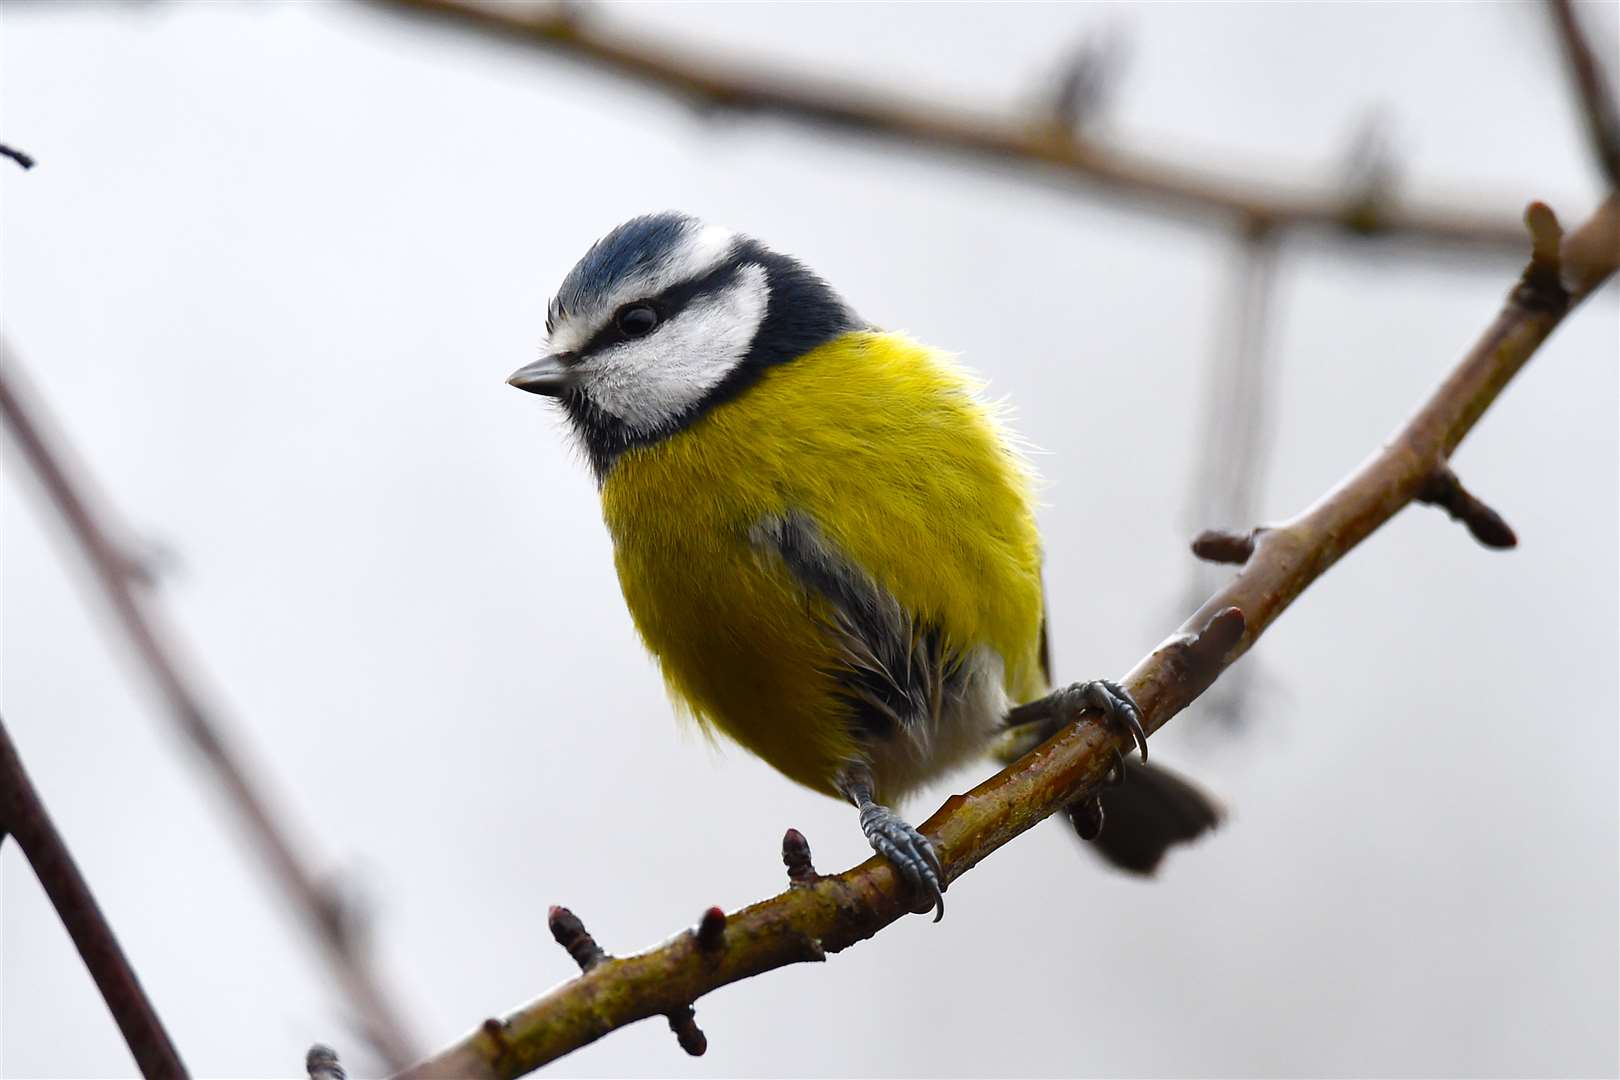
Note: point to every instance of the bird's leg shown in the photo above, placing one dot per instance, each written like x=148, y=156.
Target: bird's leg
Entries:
x=1060, y=707
x=908, y=850
x=1063, y=705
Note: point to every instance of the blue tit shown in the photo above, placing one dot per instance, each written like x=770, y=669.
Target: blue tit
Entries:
x=822, y=531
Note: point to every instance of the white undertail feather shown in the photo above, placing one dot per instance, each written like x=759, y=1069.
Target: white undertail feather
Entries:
x=969, y=721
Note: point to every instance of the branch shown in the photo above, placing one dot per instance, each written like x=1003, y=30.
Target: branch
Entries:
x=25, y=160
x=1236, y=438
x=124, y=581
x=23, y=816
x=1597, y=102
x=819, y=915
x=1172, y=186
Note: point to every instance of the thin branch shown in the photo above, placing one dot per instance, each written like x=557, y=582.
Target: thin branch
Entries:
x=1237, y=425
x=818, y=915
x=124, y=583
x=1597, y=100
x=25, y=160
x=24, y=817
x=321, y=1063
x=711, y=83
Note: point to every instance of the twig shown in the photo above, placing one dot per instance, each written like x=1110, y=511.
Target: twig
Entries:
x=124, y=583
x=1444, y=490
x=827, y=914
x=321, y=1063
x=711, y=83
x=25, y=160
x=1086, y=81
x=1597, y=100
x=23, y=816
x=571, y=934
x=1237, y=423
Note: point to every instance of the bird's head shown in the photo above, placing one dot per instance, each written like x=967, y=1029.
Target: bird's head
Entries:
x=664, y=318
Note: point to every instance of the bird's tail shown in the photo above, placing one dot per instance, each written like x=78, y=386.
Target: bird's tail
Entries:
x=1141, y=818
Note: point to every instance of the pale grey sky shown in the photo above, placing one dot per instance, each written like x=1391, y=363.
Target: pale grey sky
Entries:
x=270, y=274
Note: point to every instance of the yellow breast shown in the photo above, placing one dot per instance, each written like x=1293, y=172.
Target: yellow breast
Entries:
x=885, y=445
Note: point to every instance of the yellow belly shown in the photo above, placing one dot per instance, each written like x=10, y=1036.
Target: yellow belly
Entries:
x=886, y=447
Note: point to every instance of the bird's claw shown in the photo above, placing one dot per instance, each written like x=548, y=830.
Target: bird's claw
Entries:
x=1114, y=702
x=909, y=851
x=1086, y=816
x=1116, y=774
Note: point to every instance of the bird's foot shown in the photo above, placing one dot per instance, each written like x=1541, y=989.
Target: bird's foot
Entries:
x=1105, y=697
x=908, y=850
x=1086, y=814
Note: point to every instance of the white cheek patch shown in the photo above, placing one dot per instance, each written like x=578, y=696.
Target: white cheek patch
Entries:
x=651, y=382
x=701, y=249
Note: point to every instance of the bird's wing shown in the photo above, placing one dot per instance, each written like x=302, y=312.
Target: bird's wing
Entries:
x=895, y=669
x=1046, y=640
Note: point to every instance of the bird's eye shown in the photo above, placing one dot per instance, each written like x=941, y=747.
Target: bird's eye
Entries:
x=636, y=320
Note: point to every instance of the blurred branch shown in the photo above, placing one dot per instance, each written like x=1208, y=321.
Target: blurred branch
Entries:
x=321, y=1063
x=711, y=83
x=1597, y=100
x=1236, y=437
x=818, y=915
x=24, y=817
x=126, y=586
x=25, y=160
x=1086, y=81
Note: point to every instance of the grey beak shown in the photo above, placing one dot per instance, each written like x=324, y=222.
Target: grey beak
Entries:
x=549, y=375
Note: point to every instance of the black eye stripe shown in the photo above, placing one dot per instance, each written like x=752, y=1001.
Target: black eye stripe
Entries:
x=668, y=304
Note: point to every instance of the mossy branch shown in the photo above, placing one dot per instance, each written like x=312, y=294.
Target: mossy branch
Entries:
x=819, y=915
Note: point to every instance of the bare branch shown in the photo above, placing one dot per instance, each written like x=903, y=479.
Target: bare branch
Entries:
x=1235, y=441
x=818, y=915
x=23, y=816
x=124, y=584
x=1086, y=81
x=1597, y=100
x=25, y=160
x=711, y=83
x=571, y=934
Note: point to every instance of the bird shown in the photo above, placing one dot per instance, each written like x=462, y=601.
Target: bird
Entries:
x=825, y=535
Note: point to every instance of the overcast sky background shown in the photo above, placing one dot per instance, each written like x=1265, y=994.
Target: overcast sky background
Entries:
x=270, y=273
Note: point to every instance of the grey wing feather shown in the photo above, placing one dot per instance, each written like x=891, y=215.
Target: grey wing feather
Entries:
x=896, y=669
